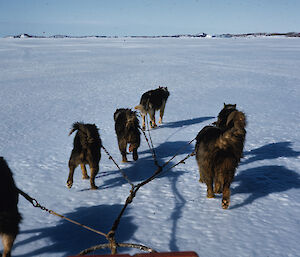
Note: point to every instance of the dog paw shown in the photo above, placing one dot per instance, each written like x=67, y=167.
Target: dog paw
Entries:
x=94, y=187
x=225, y=203
x=69, y=184
x=85, y=177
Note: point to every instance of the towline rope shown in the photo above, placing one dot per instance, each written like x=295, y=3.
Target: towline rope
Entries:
x=36, y=204
x=123, y=173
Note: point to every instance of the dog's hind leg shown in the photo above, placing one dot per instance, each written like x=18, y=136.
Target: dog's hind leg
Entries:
x=200, y=167
x=152, y=118
x=218, y=189
x=133, y=148
x=201, y=179
x=135, y=154
x=226, y=196
x=84, y=171
x=7, y=241
x=143, y=121
x=124, y=156
x=210, y=189
x=161, y=112
x=227, y=178
x=122, y=147
x=94, y=172
x=218, y=184
x=72, y=167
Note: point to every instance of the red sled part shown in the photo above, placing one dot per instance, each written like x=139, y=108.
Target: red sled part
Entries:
x=166, y=254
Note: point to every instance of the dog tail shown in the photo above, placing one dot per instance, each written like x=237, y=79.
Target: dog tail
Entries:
x=132, y=121
x=140, y=108
x=90, y=132
x=75, y=127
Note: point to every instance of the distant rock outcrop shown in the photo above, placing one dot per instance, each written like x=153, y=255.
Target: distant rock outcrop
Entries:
x=289, y=34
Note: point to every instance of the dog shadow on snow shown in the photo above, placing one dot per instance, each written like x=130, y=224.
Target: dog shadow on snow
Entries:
x=271, y=151
x=264, y=180
x=69, y=239
x=181, y=123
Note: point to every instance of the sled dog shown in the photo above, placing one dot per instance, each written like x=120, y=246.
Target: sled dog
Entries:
x=86, y=150
x=152, y=101
x=218, y=153
x=127, y=130
x=9, y=214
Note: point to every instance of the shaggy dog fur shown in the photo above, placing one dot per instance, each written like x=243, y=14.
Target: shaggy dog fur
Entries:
x=86, y=150
x=127, y=130
x=223, y=115
x=9, y=214
x=150, y=102
x=218, y=153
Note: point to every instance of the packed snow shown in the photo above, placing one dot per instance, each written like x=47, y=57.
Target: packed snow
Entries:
x=47, y=84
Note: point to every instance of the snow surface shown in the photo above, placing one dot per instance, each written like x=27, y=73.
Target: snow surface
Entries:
x=47, y=84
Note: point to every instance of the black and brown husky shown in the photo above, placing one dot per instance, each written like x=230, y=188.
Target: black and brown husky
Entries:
x=152, y=101
x=127, y=130
x=218, y=153
x=9, y=214
x=86, y=150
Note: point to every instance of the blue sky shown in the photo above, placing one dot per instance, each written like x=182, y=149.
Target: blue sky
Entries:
x=147, y=17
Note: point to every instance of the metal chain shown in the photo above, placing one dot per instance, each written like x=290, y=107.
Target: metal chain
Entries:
x=166, y=163
x=36, y=204
x=150, y=146
x=127, y=245
x=123, y=173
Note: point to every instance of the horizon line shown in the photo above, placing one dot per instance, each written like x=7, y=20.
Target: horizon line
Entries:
x=202, y=34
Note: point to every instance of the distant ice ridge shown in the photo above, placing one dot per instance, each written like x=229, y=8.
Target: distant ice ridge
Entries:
x=199, y=35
